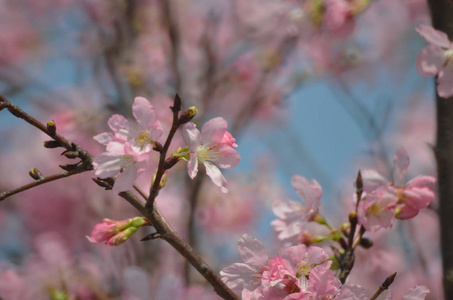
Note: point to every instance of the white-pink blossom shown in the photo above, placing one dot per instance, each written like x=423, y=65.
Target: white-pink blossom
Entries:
x=246, y=275
x=122, y=162
x=292, y=215
x=213, y=147
x=437, y=59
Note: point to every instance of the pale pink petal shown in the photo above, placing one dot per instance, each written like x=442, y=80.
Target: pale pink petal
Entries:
x=294, y=254
x=372, y=180
x=192, y=166
x=430, y=61
x=418, y=292
x=252, y=251
x=126, y=179
x=445, y=81
x=120, y=126
x=213, y=131
x=288, y=230
x=228, y=156
x=191, y=136
x=143, y=112
x=156, y=131
x=216, y=176
x=352, y=292
x=107, y=165
x=323, y=284
x=309, y=191
x=287, y=209
x=116, y=148
x=239, y=275
x=422, y=181
x=400, y=165
x=433, y=36
x=103, y=138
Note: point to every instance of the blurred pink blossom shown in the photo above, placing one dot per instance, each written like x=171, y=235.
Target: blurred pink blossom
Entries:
x=437, y=59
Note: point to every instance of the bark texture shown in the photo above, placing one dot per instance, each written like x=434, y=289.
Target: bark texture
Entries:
x=442, y=19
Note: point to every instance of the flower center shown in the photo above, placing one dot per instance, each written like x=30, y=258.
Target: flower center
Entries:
x=205, y=153
x=449, y=55
x=143, y=139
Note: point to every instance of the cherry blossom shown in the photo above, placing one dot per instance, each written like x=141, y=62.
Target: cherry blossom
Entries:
x=115, y=233
x=412, y=197
x=437, y=59
x=142, y=136
x=246, y=275
x=122, y=162
x=292, y=216
x=213, y=147
x=377, y=210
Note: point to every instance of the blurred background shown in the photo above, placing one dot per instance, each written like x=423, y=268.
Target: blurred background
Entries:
x=320, y=88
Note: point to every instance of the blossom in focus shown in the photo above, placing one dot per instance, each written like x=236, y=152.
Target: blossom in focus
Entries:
x=115, y=233
x=142, y=136
x=412, y=197
x=213, y=147
x=122, y=162
x=437, y=59
x=292, y=216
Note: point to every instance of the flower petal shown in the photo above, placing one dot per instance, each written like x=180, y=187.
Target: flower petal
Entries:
x=120, y=126
x=252, y=251
x=433, y=36
x=400, y=165
x=192, y=166
x=143, y=112
x=125, y=180
x=216, y=176
x=103, y=138
x=309, y=191
x=213, y=131
x=445, y=81
x=430, y=61
x=228, y=156
x=191, y=136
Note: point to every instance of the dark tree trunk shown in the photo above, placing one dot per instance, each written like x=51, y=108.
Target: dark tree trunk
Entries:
x=442, y=19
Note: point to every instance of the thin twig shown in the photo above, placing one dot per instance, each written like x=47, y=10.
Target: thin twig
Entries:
x=154, y=190
x=384, y=286
x=33, y=184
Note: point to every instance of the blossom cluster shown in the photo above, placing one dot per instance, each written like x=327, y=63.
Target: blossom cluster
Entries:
x=129, y=148
x=296, y=273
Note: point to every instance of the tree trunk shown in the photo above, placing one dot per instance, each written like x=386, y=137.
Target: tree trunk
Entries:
x=442, y=19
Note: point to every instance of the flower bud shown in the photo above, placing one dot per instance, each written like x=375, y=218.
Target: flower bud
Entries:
x=51, y=144
x=71, y=154
x=187, y=115
x=51, y=127
x=170, y=162
x=353, y=217
x=35, y=174
x=366, y=243
x=115, y=233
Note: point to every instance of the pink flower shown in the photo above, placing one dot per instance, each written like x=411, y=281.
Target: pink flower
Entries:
x=115, y=232
x=213, y=147
x=293, y=215
x=412, y=197
x=122, y=162
x=246, y=275
x=141, y=137
x=437, y=59
x=376, y=211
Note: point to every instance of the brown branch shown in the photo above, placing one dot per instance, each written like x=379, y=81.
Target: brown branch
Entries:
x=154, y=191
x=46, y=179
x=167, y=233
